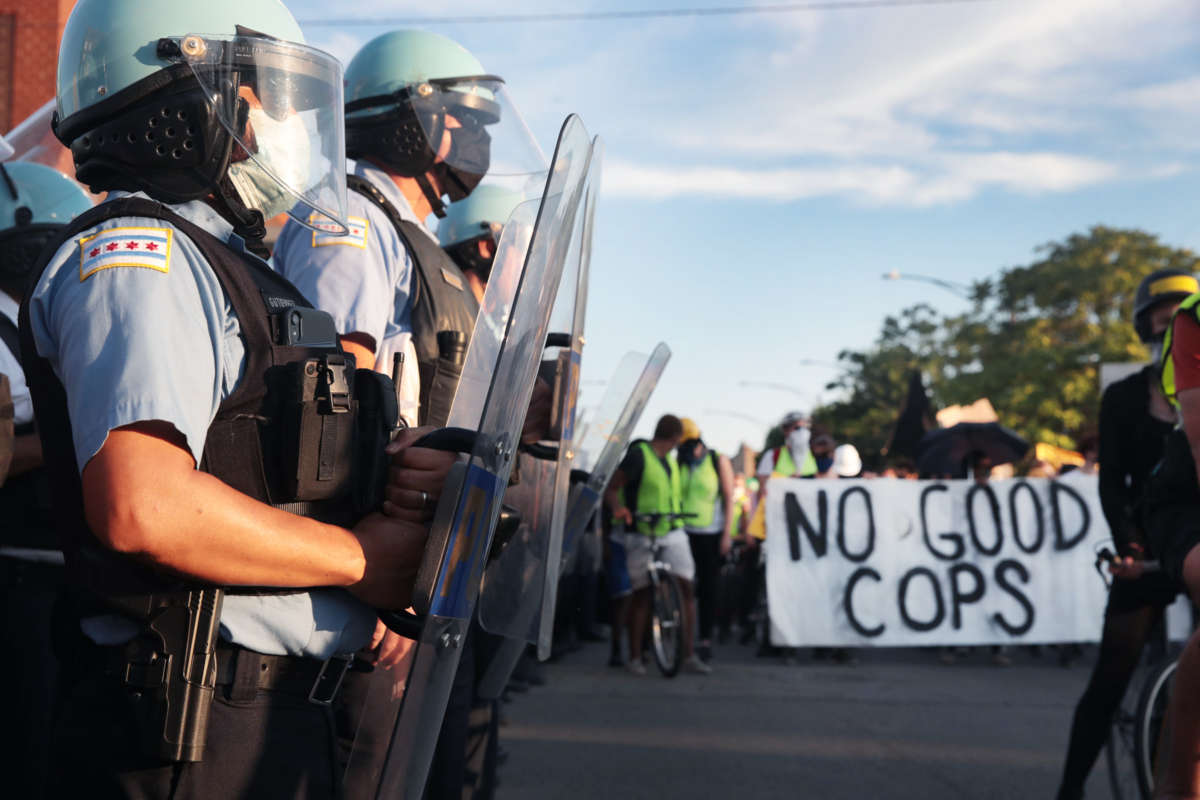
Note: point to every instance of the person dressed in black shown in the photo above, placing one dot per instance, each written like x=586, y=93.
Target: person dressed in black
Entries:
x=1135, y=419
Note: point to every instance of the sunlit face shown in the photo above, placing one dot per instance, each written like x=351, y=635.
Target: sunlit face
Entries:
x=443, y=151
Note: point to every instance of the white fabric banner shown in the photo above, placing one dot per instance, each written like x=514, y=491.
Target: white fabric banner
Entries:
x=898, y=563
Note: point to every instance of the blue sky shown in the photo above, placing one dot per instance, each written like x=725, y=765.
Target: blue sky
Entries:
x=763, y=171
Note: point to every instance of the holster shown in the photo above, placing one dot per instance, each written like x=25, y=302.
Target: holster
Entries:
x=170, y=669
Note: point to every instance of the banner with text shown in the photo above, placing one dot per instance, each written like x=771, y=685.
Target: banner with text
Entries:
x=894, y=562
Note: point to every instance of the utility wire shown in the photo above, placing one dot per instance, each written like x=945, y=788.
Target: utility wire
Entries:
x=653, y=13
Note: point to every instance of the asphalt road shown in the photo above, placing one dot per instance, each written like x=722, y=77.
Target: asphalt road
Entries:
x=898, y=724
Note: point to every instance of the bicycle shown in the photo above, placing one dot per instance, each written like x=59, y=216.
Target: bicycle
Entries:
x=666, y=606
x=1138, y=732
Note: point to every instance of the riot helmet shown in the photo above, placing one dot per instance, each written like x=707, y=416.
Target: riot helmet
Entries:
x=422, y=107
x=477, y=220
x=1160, y=286
x=35, y=203
x=187, y=100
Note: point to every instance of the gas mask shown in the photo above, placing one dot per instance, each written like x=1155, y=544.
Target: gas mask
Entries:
x=282, y=158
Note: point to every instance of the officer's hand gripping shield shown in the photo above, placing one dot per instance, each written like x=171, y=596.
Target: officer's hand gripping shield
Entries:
x=404, y=705
x=516, y=600
x=600, y=449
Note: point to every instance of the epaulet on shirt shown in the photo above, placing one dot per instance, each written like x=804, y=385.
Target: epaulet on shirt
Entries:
x=327, y=233
x=126, y=246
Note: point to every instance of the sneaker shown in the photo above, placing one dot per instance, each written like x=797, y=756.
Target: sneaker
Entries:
x=635, y=667
x=694, y=665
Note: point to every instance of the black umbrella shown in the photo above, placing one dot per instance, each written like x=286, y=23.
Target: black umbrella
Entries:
x=946, y=451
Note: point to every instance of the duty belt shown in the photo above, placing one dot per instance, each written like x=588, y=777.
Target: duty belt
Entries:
x=244, y=672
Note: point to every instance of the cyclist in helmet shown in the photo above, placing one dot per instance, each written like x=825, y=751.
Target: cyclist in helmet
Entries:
x=222, y=567
x=1135, y=419
x=1172, y=508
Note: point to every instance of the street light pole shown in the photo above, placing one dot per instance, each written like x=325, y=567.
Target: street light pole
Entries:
x=960, y=289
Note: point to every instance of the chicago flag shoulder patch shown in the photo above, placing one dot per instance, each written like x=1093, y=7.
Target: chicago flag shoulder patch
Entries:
x=149, y=248
x=326, y=232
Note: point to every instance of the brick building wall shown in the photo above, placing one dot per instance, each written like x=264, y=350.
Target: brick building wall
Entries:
x=29, y=36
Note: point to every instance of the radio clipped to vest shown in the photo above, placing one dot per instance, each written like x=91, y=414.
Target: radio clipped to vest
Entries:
x=439, y=379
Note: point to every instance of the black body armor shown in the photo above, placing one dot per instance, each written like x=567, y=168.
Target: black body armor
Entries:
x=443, y=310
x=301, y=431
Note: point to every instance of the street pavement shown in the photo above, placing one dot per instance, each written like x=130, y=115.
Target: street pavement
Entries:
x=898, y=724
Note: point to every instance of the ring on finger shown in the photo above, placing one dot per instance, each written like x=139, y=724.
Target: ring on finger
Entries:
x=424, y=500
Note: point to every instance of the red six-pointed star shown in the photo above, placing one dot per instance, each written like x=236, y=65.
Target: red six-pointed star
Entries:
x=111, y=246
x=131, y=246
x=95, y=252
x=151, y=246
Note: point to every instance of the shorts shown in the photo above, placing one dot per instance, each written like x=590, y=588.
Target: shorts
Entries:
x=1173, y=530
x=617, y=570
x=676, y=553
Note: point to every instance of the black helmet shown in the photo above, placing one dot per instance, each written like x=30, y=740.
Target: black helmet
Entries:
x=1160, y=286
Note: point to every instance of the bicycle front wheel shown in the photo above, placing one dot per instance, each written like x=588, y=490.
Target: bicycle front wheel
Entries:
x=1152, y=735
x=666, y=624
x=1124, y=775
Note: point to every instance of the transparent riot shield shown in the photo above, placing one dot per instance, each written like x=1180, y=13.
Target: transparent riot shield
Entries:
x=401, y=714
x=608, y=435
x=516, y=599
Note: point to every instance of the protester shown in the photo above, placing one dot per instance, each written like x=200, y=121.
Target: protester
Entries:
x=647, y=482
x=1171, y=502
x=706, y=489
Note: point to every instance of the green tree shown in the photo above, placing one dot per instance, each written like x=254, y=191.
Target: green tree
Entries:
x=1032, y=342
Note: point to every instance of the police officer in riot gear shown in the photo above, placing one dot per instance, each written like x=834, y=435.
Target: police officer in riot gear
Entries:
x=35, y=203
x=471, y=230
x=424, y=123
x=214, y=456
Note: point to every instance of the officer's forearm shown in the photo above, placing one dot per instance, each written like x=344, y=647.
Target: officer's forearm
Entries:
x=143, y=497
x=27, y=454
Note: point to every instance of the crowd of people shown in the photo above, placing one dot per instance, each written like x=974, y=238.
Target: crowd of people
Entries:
x=219, y=471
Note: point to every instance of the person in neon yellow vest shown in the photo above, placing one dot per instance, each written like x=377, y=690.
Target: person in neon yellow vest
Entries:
x=706, y=487
x=647, y=482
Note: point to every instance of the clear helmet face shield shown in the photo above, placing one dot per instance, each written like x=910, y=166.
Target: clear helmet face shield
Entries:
x=282, y=103
x=475, y=130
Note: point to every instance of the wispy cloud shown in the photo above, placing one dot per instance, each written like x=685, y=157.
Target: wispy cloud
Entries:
x=946, y=180
x=908, y=106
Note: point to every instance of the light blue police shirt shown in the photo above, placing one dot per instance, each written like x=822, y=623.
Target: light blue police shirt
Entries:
x=137, y=327
x=362, y=279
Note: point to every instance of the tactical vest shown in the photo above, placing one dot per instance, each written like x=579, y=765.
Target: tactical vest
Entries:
x=301, y=431
x=657, y=492
x=700, y=486
x=442, y=303
x=785, y=466
x=25, y=508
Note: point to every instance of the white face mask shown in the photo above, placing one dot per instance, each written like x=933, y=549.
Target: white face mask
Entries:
x=1156, y=351
x=283, y=160
x=798, y=440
